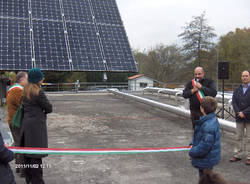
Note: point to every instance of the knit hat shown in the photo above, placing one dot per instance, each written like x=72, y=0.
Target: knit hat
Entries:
x=35, y=75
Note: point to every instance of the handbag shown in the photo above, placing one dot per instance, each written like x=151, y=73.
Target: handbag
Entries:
x=17, y=118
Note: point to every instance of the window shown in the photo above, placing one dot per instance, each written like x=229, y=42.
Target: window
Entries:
x=143, y=85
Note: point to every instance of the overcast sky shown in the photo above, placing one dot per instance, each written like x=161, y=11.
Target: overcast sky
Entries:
x=151, y=22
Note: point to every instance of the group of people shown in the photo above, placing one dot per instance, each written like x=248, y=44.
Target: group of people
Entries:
x=205, y=149
x=33, y=130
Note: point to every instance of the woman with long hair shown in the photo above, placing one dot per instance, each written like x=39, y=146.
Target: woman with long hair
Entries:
x=34, y=129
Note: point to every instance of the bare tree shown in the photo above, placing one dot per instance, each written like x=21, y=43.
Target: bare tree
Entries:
x=161, y=62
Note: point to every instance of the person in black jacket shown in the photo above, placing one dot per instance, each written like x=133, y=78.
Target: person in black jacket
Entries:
x=34, y=128
x=195, y=90
x=6, y=174
x=241, y=106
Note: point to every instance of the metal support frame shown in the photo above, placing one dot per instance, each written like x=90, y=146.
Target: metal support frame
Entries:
x=222, y=110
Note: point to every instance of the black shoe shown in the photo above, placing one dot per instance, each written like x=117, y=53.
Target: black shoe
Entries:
x=22, y=175
x=17, y=170
x=27, y=181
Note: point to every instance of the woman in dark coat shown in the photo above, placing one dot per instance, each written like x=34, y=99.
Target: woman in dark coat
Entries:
x=34, y=128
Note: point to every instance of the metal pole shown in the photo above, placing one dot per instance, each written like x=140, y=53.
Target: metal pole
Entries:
x=222, y=113
x=1, y=90
x=217, y=57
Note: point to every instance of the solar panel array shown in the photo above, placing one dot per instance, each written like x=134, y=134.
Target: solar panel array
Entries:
x=63, y=35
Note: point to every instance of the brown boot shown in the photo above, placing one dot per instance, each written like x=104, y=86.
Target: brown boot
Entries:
x=248, y=162
x=234, y=159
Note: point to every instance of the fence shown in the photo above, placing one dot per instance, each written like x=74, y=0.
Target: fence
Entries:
x=83, y=86
x=227, y=86
x=102, y=86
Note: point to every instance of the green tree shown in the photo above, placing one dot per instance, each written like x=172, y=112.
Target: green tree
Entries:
x=234, y=47
x=62, y=77
x=197, y=37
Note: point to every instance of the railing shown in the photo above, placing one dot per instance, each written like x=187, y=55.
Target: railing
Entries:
x=83, y=86
x=178, y=92
x=225, y=125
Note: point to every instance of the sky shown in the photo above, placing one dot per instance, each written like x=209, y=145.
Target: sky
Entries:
x=152, y=22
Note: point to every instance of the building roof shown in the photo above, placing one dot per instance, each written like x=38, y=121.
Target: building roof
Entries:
x=142, y=75
x=135, y=76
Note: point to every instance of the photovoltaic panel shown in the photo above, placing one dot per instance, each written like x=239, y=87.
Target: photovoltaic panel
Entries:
x=50, y=45
x=14, y=8
x=46, y=9
x=15, y=47
x=63, y=35
x=116, y=48
x=84, y=47
x=106, y=11
x=77, y=11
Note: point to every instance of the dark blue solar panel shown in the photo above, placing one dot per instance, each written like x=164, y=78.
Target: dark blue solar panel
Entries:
x=46, y=9
x=15, y=47
x=116, y=47
x=50, y=45
x=90, y=32
x=106, y=11
x=77, y=11
x=14, y=8
x=84, y=47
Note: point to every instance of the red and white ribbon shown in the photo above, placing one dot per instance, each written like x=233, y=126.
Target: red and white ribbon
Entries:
x=64, y=151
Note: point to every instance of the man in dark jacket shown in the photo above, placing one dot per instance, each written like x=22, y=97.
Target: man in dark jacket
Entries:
x=6, y=174
x=195, y=90
x=241, y=106
x=206, y=146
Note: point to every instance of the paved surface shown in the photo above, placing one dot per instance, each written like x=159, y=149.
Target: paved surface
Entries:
x=107, y=121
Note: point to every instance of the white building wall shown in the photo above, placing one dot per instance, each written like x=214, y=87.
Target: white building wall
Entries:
x=138, y=83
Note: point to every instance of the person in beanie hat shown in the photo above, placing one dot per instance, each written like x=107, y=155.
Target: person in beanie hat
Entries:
x=35, y=75
x=34, y=128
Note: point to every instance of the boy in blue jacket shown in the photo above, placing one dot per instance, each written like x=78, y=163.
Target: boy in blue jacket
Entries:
x=6, y=174
x=206, y=146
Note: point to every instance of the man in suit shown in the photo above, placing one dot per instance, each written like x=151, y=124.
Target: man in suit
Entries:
x=241, y=106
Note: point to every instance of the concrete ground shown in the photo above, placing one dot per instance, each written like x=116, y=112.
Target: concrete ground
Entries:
x=108, y=121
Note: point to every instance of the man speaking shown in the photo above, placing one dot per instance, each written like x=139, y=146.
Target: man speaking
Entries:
x=195, y=90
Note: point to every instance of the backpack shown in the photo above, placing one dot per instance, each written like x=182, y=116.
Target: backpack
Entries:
x=17, y=118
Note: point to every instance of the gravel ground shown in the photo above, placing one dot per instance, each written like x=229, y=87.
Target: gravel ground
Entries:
x=108, y=121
